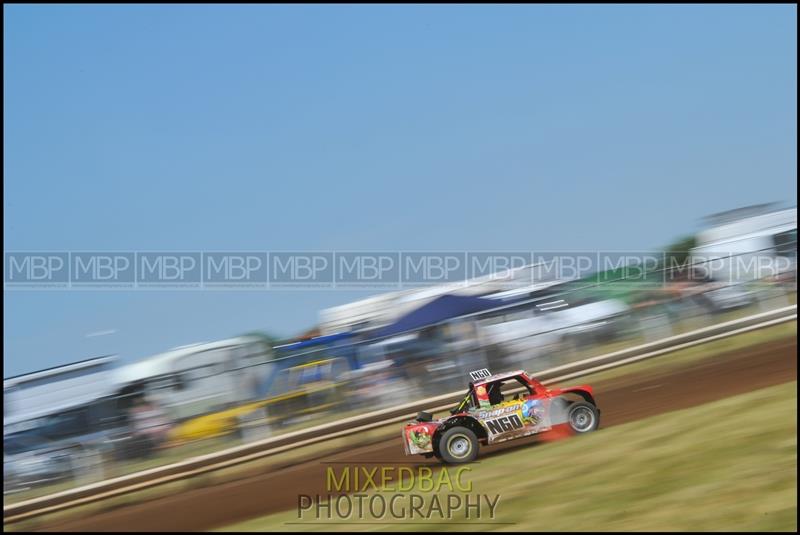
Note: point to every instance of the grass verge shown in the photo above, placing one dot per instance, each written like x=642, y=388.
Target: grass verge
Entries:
x=726, y=465
x=695, y=354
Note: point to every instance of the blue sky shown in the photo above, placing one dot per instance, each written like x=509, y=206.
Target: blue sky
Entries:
x=369, y=128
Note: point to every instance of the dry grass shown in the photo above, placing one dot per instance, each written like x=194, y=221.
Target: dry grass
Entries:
x=727, y=465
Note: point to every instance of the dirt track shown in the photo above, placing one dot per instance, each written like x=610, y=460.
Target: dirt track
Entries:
x=621, y=399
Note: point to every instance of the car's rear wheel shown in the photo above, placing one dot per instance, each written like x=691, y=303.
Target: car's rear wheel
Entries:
x=583, y=417
x=458, y=445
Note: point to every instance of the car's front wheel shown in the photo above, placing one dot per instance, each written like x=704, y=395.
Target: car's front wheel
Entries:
x=458, y=445
x=583, y=417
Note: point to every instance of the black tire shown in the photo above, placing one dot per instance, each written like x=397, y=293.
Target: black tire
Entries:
x=458, y=445
x=583, y=417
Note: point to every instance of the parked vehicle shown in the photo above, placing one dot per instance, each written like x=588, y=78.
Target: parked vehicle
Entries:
x=64, y=445
x=552, y=322
x=198, y=379
x=59, y=422
x=748, y=244
x=297, y=392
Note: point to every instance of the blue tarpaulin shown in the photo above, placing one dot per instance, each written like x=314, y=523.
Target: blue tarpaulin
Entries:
x=440, y=309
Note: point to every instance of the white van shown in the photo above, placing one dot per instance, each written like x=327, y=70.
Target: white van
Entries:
x=748, y=248
x=193, y=380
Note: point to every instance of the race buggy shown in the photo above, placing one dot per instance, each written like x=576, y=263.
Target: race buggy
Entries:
x=489, y=414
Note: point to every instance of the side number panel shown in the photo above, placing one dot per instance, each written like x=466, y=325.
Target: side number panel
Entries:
x=515, y=419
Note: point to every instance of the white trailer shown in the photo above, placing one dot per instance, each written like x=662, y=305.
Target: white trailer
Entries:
x=200, y=378
x=748, y=247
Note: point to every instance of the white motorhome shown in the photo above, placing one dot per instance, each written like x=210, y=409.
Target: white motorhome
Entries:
x=535, y=332
x=200, y=378
x=56, y=421
x=748, y=244
x=28, y=398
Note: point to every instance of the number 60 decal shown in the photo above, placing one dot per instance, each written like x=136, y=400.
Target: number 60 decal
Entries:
x=503, y=424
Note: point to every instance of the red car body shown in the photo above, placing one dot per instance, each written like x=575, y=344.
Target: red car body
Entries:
x=493, y=419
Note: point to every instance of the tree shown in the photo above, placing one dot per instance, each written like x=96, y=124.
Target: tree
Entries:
x=267, y=340
x=677, y=256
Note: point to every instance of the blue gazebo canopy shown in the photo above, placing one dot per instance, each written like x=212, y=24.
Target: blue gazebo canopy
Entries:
x=440, y=309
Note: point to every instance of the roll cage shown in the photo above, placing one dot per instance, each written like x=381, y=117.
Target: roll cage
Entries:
x=492, y=385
